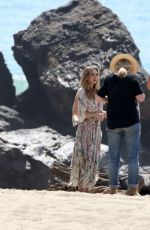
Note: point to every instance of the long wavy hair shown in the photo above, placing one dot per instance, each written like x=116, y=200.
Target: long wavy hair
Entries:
x=90, y=90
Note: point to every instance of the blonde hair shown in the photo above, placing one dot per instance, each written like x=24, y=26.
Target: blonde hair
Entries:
x=89, y=89
x=122, y=72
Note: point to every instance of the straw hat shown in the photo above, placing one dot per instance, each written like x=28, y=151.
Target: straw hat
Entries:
x=126, y=61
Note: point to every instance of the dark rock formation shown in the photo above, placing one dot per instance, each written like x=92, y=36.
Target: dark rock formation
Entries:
x=34, y=159
x=7, y=90
x=54, y=49
x=10, y=119
x=40, y=159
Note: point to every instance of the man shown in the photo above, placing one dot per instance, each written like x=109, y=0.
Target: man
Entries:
x=123, y=93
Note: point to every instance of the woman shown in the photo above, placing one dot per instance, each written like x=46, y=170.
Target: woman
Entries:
x=87, y=115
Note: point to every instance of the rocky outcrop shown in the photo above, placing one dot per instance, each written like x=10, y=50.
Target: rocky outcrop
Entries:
x=7, y=89
x=40, y=159
x=10, y=119
x=34, y=159
x=37, y=159
x=56, y=46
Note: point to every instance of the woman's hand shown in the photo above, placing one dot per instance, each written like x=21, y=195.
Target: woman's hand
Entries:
x=100, y=116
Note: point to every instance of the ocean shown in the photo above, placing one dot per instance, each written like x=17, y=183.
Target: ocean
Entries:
x=16, y=15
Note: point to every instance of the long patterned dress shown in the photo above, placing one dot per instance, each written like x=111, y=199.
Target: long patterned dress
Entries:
x=86, y=155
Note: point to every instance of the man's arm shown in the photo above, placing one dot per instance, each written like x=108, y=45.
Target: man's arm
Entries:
x=138, y=92
x=140, y=97
x=102, y=92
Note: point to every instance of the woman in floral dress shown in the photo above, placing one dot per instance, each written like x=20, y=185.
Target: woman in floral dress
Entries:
x=87, y=115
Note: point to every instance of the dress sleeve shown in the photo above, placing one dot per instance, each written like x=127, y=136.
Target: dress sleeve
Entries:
x=81, y=108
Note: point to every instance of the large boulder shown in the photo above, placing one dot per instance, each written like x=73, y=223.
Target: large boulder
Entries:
x=7, y=89
x=37, y=159
x=10, y=119
x=55, y=48
x=34, y=159
x=40, y=159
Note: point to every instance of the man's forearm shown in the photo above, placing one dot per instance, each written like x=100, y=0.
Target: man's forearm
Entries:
x=140, y=97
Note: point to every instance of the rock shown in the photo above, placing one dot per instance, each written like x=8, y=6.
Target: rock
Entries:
x=40, y=159
x=54, y=49
x=30, y=159
x=143, y=181
x=10, y=119
x=37, y=159
x=7, y=89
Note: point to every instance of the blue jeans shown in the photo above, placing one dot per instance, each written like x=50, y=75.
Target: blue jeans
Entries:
x=128, y=138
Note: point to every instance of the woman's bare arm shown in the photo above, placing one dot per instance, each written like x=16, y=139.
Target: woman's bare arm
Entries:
x=75, y=106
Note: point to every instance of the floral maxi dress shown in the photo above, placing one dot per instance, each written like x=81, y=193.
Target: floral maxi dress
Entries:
x=86, y=155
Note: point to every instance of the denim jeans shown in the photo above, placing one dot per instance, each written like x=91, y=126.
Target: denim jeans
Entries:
x=128, y=138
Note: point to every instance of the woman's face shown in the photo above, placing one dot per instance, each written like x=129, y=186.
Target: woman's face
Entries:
x=93, y=78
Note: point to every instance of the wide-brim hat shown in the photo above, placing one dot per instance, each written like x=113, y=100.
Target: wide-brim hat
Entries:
x=126, y=61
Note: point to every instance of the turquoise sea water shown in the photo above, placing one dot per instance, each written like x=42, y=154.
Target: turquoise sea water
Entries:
x=16, y=15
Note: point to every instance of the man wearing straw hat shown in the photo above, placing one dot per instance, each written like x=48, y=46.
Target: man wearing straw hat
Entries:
x=123, y=93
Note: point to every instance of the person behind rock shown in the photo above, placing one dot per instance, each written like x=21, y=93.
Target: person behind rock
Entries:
x=123, y=93
x=148, y=83
x=87, y=115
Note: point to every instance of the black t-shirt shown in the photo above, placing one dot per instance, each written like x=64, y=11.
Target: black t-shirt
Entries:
x=122, y=108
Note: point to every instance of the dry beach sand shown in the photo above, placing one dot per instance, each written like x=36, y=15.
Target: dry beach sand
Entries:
x=58, y=210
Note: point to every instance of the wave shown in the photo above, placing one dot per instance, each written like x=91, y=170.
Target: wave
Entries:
x=20, y=83
x=19, y=77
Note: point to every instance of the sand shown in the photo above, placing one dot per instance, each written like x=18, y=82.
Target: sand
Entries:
x=58, y=210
